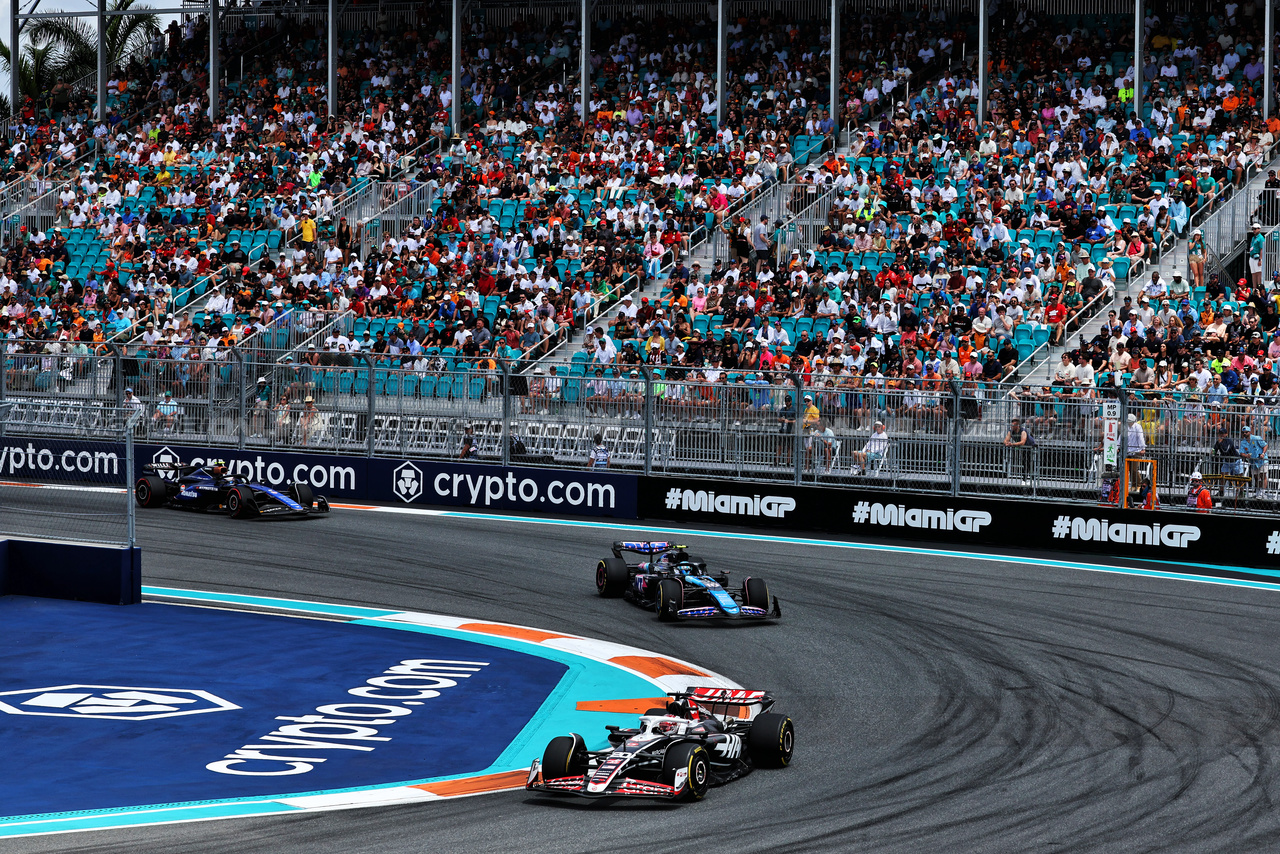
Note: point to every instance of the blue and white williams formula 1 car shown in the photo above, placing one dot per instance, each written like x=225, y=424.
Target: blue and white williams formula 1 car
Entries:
x=209, y=487
x=679, y=587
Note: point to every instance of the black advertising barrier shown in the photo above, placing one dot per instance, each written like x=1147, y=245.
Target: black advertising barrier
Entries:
x=1170, y=535
x=1017, y=524
x=427, y=482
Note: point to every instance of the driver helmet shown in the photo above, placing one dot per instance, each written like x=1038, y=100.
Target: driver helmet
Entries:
x=217, y=467
x=666, y=727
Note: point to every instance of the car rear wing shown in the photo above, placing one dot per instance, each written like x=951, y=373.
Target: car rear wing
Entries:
x=728, y=702
x=644, y=547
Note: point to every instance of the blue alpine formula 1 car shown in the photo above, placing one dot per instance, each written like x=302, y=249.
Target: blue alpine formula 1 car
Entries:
x=679, y=587
x=209, y=486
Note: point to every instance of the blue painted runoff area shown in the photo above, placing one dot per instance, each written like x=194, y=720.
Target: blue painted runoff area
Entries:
x=105, y=707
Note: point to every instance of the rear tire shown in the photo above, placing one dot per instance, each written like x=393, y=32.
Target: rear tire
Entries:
x=612, y=577
x=771, y=740
x=670, y=599
x=240, y=504
x=692, y=758
x=150, y=491
x=755, y=593
x=301, y=493
x=565, y=756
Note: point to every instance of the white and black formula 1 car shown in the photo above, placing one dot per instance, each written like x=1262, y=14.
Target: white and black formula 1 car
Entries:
x=679, y=587
x=209, y=486
x=704, y=737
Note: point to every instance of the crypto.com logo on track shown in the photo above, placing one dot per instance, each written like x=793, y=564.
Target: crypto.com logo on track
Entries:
x=111, y=702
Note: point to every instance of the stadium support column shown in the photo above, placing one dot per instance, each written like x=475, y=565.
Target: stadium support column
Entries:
x=1268, y=57
x=982, y=62
x=1137, y=58
x=584, y=62
x=455, y=84
x=15, y=48
x=835, y=71
x=214, y=71
x=102, y=60
x=331, y=89
x=722, y=58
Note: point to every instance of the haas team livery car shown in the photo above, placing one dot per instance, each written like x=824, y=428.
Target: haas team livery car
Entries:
x=679, y=587
x=704, y=737
x=209, y=486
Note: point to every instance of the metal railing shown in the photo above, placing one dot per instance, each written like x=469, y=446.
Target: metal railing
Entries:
x=954, y=437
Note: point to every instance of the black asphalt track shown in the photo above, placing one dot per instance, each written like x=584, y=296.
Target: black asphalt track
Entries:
x=941, y=705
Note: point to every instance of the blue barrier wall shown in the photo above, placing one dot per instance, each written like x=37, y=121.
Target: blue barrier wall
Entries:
x=110, y=575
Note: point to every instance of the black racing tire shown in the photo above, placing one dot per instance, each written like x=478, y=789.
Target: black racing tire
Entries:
x=694, y=759
x=150, y=491
x=301, y=493
x=755, y=593
x=565, y=756
x=771, y=740
x=670, y=598
x=240, y=504
x=612, y=577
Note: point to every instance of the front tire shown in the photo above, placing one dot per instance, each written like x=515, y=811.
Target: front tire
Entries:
x=150, y=491
x=240, y=504
x=771, y=740
x=612, y=577
x=670, y=599
x=755, y=593
x=565, y=756
x=693, y=759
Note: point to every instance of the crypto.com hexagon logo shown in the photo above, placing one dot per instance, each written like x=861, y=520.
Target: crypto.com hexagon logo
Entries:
x=111, y=702
x=165, y=456
x=407, y=482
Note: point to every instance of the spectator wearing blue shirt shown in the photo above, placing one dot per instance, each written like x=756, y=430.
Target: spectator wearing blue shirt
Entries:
x=1253, y=454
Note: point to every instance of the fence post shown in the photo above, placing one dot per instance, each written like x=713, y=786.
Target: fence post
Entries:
x=130, y=424
x=372, y=405
x=1123, y=473
x=956, y=420
x=505, y=436
x=241, y=391
x=648, y=418
x=117, y=373
x=797, y=447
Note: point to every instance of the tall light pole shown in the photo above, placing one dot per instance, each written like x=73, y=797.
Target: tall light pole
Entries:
x=722, y=58
x=835, y=68
x=214, y=71
x=455, y=83
x=102, y=59
x=15, y=55
x=1268, y=58
x=983, y=83
x=331, y=89
x=584, y=62
x=1137, y=58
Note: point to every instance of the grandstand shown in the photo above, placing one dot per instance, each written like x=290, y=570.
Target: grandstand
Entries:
x=412, y=213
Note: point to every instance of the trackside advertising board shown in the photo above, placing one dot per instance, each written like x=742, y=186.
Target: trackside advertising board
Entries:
x=1168, y=535
x=854, y=512
x=475, y=485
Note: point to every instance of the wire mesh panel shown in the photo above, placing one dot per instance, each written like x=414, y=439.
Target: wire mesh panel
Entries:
x=55, y=487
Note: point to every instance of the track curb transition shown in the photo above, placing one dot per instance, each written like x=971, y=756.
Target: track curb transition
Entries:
x=664, y=673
